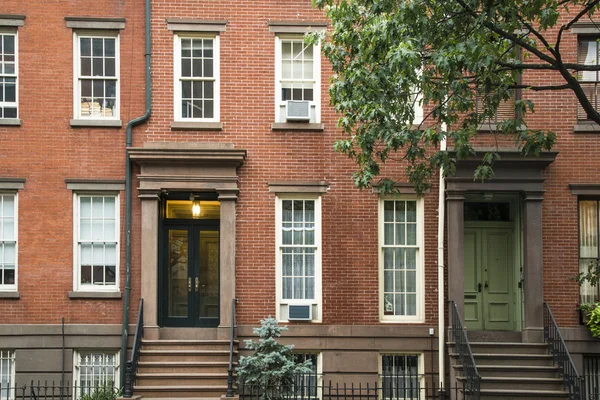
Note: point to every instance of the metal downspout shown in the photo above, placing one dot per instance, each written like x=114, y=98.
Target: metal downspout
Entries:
x=441, y=302
x=128, y=144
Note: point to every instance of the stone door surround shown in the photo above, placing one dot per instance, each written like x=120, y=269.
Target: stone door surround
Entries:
x=513, y=173
x=189, y=167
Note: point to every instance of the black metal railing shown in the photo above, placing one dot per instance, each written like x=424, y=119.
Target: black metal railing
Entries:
x=387, y=387
x=132, y=363
x=231, y=339
x=573, y=382
x=465, y=354
x=591, y=371
x=61, y=391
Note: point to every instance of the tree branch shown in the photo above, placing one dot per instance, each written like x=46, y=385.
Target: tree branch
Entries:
x=541, y=88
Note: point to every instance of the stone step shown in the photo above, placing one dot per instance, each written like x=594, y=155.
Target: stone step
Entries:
x=509, y=348
x=519, y=383
x=513, y=359
x=188, y=367
x=185, y=355
x=530, y=371
x=180, y=379
x=187, y=344
x=178, y=392
x=508, y=394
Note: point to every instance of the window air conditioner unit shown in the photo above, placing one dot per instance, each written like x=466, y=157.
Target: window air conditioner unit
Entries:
x=299, y=313
x=297, y=110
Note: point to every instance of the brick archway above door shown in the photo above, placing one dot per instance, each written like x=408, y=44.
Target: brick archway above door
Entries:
x=187, y=167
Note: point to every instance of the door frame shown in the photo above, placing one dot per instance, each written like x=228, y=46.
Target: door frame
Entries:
x=516, y=225
x=194, y=226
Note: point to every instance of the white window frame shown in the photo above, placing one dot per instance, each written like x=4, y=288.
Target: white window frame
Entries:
x=420, y=368
x=77, y=367
x=420, y=274
x=77, y=72
x=278, y=76
x=177, y=75
x=10, y=356
x=278, y=258
x=15, y=33
x=77, y=285
x=13, y=287
x=319, y=367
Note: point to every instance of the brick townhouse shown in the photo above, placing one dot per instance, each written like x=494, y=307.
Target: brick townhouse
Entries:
x=236, y=193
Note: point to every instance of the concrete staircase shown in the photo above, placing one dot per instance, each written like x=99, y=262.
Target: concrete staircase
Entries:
x=513, y=371
x=183, y=369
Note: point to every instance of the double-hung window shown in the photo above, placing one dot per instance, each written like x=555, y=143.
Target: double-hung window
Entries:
x=401, y=260
x=299, y=256
x=297, y=80
x=7, y=374
x=97, y=75
x=97, y=242
x=96, y=373
x=197, y=78
x=8, y=241
x=8, y=74
x=306, y=386
x=589, y=255
x=400, y=377
x=587, y=54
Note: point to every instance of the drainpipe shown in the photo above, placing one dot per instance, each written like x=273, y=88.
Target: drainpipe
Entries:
x=128, y=144
x=441, y=302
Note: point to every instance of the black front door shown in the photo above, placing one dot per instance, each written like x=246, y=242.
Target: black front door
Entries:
x=189, y=284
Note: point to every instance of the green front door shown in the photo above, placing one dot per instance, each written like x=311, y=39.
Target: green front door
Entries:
x=489, y=283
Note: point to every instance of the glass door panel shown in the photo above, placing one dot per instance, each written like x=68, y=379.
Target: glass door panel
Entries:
x=178, y=273
x=209, y=274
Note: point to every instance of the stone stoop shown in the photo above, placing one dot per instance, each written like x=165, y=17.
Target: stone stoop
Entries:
x=510, y=371
x=183, y=369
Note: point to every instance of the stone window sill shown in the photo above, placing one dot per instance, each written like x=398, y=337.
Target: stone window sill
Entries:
x=10, y=122
x=94, y=295
x=196, y=126
x=297, y=126
x=96, y=123
x=10, y=295
x=586, y=127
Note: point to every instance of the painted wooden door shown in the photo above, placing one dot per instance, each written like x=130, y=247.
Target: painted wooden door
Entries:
x=489, y=283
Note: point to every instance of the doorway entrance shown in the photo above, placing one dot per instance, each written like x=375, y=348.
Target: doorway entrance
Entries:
x=492, y=278
x=189, y=263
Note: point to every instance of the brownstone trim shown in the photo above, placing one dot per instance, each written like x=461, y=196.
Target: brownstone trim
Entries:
x=95, y=23
x=94, y=185
x=196, y=126
x=10, y=295
x=399, y=188
x=585, y=189
x=9, y=121
x=588, y=27
x=296, y=26
x=297, y=126
x=12, y=183
x=196, y=25
x=94, y=295
x=14, y=20
x=298, y=187
x=586, y=127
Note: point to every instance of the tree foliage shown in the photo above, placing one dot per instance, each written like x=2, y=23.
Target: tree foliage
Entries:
x=388, y=54
x=272, y=366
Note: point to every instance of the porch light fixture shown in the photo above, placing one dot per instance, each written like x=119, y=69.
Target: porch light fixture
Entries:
x=195, y=207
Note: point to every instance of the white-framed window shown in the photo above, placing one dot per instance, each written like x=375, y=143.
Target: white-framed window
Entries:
x=401, y=376
x=96, y=75
x=297, y=80
x=298, y=261
x=306, y=386
x=7, y=374
x=401, y=276
x=197, y=82
x=8, y=241
x=96, y=232
x=95, y=373
x=589, y=250
x=9, y=67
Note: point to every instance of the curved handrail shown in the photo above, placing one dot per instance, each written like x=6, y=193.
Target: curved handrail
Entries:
x=465, y=354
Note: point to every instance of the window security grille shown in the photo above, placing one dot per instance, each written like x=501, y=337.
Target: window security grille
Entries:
x=7, y=368
x=400, y=376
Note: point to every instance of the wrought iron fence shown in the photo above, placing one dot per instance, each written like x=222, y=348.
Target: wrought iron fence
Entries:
x=387, y=387
x=57, y=391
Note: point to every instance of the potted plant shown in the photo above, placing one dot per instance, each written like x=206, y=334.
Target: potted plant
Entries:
x=589, y=312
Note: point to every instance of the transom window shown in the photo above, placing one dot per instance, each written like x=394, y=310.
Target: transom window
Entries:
x=587, y=54
x=299, y=258
x=7, y=374
x=401, y=263
x=97, y=76
x=297, y=81
x=197, y=78
x=400, y=376
x=8, y=75
x=588, y=246
x=97, y=242
x=8, y=241
x=96, y=373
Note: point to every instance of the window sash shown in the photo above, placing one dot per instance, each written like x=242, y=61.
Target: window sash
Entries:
x=8, y=241
x=589, y=248
x=9, y=84
x=7, y=374
x=96, y=370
